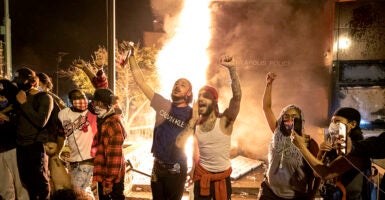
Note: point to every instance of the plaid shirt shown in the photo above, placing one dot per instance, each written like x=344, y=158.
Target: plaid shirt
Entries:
x=109, y=159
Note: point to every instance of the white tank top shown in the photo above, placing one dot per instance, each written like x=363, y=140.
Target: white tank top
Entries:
x=214, y=149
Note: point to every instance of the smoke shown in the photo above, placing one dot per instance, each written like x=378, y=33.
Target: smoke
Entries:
x=289, y=38
x=167, y=15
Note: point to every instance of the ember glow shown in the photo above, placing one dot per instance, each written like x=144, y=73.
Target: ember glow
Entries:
x=185, y=53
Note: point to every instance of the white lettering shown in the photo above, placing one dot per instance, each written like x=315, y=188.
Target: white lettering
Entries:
x=171, y=118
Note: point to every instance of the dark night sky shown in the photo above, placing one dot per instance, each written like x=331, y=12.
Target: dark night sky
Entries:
x=43, y=28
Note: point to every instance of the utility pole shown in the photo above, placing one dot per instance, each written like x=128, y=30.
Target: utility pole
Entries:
x=6, y=30
x=111, y=43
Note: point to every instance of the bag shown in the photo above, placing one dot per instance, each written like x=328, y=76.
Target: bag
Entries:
x=53, y=127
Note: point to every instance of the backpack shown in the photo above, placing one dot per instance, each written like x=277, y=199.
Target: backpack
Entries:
x=53, y=127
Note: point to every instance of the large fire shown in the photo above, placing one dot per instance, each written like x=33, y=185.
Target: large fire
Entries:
x=185, y=53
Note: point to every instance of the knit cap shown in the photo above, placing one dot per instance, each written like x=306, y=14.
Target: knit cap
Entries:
x=23, y=74
x=349, y=113
x=104, y=95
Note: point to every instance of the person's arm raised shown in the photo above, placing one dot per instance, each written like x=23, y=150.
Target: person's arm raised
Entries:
x=138, y=76
x=235, y=102
x=266, y=102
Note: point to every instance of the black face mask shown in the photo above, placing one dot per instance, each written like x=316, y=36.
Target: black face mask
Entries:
x=25, y=86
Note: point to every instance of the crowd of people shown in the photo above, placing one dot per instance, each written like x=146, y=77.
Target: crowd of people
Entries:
x=36, y=124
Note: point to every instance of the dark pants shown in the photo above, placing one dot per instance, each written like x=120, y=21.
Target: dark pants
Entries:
x=116, y=194
x=167, y=185
x=382, y=187
x=197, y=188
x=267, y=194
x=33, y=169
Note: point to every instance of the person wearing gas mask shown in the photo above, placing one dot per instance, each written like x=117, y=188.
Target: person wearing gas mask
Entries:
x=342, y=173
x=10, y=184
x=80, y=128
x=109, y=162
x=287, y=176
x=35, y=111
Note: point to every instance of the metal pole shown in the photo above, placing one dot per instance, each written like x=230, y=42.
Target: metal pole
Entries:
x=111, y=43
x=8, y=42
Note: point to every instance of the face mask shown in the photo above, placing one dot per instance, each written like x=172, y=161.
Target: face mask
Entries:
x=80, y=104
x=334, y=128
x=3, y=104
x=289, y=125
x=25, y=86
x=100, y=111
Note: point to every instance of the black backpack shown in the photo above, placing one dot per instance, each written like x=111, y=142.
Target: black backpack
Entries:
x=53, y=127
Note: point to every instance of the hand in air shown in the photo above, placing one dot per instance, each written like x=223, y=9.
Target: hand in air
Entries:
x=270, y=77
x=227, y=61
x=130, y=51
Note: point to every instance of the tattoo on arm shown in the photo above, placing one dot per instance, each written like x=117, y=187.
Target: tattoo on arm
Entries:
x=235, y=102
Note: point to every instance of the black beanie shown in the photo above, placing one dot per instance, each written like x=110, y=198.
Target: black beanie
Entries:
x=349, y=113
x=24, y=74
x=104, y=95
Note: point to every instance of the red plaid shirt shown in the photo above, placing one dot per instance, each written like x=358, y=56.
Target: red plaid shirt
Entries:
x=109, y=159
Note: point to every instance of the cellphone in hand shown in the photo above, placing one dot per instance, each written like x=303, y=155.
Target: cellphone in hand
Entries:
x=298, y=125
x=342, y=133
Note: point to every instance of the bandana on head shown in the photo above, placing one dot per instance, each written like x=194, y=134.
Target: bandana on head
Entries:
x=212, y=91
x=80, y=104
x=213, y=95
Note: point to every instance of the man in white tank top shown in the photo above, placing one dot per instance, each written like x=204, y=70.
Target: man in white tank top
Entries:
x=212, y=167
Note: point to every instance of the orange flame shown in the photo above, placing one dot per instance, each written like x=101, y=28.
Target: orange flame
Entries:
x=185, y=53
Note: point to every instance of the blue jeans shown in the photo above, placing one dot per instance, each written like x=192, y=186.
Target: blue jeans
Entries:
x=81, y=177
